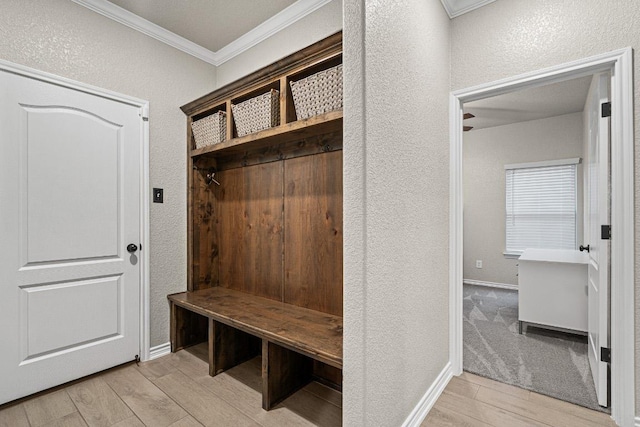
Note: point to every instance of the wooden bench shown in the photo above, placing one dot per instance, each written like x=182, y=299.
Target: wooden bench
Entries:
x=242, y=326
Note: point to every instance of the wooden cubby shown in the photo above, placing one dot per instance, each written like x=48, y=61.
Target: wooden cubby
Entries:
x=273, y=227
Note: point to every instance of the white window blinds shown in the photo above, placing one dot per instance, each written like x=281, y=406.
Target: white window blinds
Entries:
x=541, y=207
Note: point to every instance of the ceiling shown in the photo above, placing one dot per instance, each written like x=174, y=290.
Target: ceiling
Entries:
x=211, y=24
x=216, y=31
x=529, y=104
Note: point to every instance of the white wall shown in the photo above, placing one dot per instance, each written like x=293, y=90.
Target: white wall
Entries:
x=66, y=39
x=396, y=198
x=506, y=38
x=317, y=25
x=485, y=153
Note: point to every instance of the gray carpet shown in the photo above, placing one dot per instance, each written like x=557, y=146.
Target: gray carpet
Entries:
x=547, y=362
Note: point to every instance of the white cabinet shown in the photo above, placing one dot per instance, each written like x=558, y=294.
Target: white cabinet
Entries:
x=553, y=288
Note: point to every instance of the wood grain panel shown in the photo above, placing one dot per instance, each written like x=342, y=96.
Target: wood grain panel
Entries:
x=186, y=328
x=250, y=229
x=263, y=230
x=203, y=224
x=283, y=373
x=313, y=237
x=230, y=228
x=327, y=375
x=229, y=347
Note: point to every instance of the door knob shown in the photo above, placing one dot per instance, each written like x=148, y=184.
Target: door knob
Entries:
x=131, y=248
x=584, y=248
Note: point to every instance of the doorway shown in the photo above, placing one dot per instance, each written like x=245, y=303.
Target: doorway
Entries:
x=617, y=63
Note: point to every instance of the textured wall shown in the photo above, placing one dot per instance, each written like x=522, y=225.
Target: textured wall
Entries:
x=506, y=38
x=66, y=39
x=317, y=25
x=486, y=151
x=396, y=198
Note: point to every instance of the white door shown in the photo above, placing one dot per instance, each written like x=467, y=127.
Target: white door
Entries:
x=597, y=204
x=69, y=206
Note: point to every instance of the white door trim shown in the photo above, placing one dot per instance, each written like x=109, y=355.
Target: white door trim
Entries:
x=21, y=70
x=619, y=63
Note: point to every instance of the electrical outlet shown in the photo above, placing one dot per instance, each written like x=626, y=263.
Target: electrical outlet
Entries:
x=158, y=195
x=478, y=263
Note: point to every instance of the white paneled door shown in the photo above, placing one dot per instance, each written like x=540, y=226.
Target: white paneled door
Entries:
x=69, y=207
x=597, y=214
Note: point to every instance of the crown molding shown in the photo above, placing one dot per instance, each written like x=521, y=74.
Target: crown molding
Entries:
x=280, y=21
x=453, y=8
x=276, y=23
x=131, y=20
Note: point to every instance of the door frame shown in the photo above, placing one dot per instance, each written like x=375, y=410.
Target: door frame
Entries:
x=143, y=106
x=619, y=64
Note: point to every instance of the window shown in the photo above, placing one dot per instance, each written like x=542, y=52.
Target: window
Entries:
x=541, y=209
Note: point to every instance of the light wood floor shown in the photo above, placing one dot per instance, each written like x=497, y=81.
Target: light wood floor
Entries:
x=177, y=391
x=470, y=400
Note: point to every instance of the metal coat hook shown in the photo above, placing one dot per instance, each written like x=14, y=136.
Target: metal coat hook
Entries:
x=210, y=175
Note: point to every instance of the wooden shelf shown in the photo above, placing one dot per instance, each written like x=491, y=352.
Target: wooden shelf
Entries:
x=294, y=131
x=271, y=229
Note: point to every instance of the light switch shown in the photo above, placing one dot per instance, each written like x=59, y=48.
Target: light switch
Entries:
x=158, y=195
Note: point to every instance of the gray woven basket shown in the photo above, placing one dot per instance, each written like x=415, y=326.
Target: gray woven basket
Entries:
x=256, y=114
x=318, y=93
x=210, y=130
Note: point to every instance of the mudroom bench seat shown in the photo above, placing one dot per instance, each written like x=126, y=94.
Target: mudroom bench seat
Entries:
x=242, y=326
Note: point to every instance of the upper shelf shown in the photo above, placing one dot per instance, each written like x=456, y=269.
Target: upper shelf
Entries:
x=298, y=130
x=292, y=138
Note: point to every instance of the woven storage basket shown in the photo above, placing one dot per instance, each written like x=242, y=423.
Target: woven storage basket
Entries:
x=255, y=114
x=318, y=93
x=210, y=130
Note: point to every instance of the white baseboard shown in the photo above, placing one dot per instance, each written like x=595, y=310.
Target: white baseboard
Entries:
x=490, y=284
x=159, y=350
x=419, y=413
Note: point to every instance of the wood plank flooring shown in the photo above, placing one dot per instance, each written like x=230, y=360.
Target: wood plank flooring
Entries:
x=177, y=391
x=471, y=400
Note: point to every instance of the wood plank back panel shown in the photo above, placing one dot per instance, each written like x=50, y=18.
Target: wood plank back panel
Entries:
x=313, y=236
x=230, y=228
x=187, y=328
x=204, y=237
x=250, y=229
